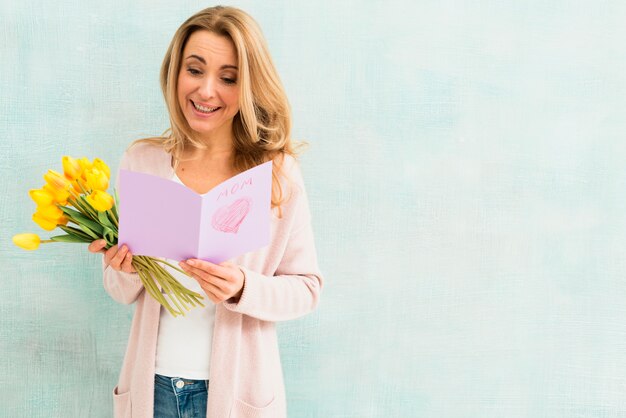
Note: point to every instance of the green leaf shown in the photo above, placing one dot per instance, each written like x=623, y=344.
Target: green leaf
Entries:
x=69, y=238
x=110, y=236
x=82, y=207
x=112, y=218
x=93, y=213
x=88, y=231
x=104, y=220
x=116, y=205
x=74, y=231
x=82, y=220
x=70, y=212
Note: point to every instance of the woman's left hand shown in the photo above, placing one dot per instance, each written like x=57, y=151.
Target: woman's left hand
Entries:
x=219, y=281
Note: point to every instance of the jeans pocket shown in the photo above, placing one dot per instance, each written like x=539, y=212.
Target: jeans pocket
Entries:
x=121, y=404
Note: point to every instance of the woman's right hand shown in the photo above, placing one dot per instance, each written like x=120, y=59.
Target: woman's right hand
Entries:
x=118, y=260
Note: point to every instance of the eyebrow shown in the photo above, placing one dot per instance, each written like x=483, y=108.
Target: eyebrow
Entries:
x=223, y=67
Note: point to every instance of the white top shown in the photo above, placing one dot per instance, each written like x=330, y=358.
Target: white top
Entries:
x=184, y=343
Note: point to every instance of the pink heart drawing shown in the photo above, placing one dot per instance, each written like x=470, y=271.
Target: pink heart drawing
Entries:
x=228, y=218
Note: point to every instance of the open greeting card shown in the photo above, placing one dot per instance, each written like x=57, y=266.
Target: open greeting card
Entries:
x=163, y=218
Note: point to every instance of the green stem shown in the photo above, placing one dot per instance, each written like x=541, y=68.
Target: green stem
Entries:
x=147, y=278
x=162, y=278
x=93, y=213
x=152, y=273
x=175, y=268
x=84, y=209
x=113, y=219
x=161, y=274
x=85, y=191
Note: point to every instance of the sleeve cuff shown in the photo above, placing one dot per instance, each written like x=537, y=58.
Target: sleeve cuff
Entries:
x=248, y=283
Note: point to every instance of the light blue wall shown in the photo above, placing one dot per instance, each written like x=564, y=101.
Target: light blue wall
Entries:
x=466, y=177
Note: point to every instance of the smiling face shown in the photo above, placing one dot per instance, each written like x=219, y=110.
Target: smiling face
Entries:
x=208, y=89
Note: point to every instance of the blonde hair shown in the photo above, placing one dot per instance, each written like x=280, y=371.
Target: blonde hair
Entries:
x=262, y=127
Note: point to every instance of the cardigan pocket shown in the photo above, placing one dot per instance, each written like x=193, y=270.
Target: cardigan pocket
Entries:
x=121, y=404
x=240, y=409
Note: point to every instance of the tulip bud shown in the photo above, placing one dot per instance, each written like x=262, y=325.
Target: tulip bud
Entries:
x=71, y=168
x=100, y=165
x=96, y=179
x=76, y=187
x=41, y=197
x=62, y=220
x=60, y=196
x=56, y=181
x=85, y=164
x=100, y=201
x=27, y=241
x=51, y=212
x=44, y=223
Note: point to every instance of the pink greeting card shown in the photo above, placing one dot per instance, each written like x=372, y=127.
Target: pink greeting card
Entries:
x=163, y=218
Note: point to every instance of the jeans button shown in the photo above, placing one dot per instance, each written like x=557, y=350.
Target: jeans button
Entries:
x=180, y=384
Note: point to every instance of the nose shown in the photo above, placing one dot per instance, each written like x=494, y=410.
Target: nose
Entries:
x=208, y=87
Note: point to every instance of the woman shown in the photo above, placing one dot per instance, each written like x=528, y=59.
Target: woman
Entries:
x=228, y=113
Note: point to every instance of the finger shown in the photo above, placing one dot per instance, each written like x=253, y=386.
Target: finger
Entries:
x=127, y=264
x=212, y=297
x=236, y=274
x=212, y=291
x=210, y=268
x=209, y=289
x=202, y=276
x=117, y=259
x=110, y=253
x=97, y=246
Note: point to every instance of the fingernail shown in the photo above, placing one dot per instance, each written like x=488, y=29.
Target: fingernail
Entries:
x=191, y=262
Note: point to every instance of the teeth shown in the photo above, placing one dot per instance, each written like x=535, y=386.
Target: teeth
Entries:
x=205, y=109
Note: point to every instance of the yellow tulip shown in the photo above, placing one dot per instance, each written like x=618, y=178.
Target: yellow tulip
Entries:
x=56, y=181
x=76, y=187
x=50, y=212
x=62, y=220
x=42, y=197
x=100, y=201
x=71, y=168
x=85, y=165
x=60, y=196
x=27, y=241
x=100, y=165
x=96, y=179
x=43, y=222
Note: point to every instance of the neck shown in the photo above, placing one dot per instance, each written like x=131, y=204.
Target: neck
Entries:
x=219, y=146
x=210, y=154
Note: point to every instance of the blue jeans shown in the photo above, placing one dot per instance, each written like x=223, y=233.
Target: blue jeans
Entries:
x=176, y=397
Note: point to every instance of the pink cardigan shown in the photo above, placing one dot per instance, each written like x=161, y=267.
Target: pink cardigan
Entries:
x=282, y=282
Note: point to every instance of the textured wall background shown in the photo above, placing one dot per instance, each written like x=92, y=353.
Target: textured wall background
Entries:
x=466, y=178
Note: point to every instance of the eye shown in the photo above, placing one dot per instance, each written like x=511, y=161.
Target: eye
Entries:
x=193, y=71
x=229, y=80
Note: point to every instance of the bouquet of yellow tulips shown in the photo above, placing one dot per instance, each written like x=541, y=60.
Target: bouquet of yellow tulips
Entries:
x=94, y=216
